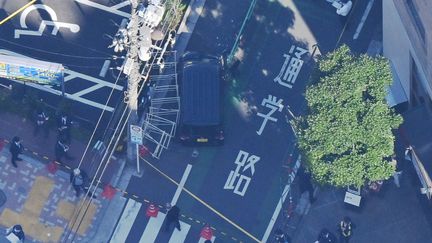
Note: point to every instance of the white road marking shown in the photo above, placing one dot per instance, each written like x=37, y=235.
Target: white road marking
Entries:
x=126, y=221
x=44, y=23
x=202, y=240
x=113, y=9
x=279, y=205
x=363, y=19
x=181, y=184
x=88, y=90
x=104, y=69
x=121, y=5
x=70, y=76
x=180, y=236
x=152, y=229
x=94, y=80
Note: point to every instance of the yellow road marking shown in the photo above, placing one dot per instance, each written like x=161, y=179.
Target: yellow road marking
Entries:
x=17, y=12
x=204, y=203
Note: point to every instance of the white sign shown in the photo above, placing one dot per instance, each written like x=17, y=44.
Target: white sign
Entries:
x=241, y=181
x=274, y=104
x=291, y=67
x=136, y=134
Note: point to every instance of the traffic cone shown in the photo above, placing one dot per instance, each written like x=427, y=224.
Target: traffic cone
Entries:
x=143, y=150
x=152, y=211
x=206, y=233
x=108, y=192
x=52, y=167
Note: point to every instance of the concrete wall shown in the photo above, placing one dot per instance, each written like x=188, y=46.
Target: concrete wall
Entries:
x=400, y=38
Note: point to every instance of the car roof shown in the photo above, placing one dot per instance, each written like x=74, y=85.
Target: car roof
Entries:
x=200, y=92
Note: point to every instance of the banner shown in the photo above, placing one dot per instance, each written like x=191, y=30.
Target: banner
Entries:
x=31, y=70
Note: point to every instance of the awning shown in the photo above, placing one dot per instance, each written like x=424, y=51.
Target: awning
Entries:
x=395, y=92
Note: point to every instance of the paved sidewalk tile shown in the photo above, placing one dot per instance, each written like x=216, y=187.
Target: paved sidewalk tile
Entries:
x=43, y=203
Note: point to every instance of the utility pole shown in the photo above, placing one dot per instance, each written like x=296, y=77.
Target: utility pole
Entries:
x=131, y=68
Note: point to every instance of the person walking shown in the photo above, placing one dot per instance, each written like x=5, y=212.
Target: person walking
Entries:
x=326, y=236
x=16, y=149
x=345, y=229
x=64, y=124
x=172, y=217
x=79, y=179
x=61, y=150
x=305, y=183
x=15, y=234
x=41, y=123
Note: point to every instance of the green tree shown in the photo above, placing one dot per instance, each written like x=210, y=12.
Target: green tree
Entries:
x=346, y=134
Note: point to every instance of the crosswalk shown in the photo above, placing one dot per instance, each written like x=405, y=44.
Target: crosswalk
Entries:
x=130, y=228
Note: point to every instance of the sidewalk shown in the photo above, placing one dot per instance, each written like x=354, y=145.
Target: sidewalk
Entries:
x=41, y=199
x=392, y=215
x=43, y=149
x=42, y=202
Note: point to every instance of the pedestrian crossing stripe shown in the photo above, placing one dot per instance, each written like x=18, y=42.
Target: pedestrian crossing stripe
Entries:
x=152, y=229
x=126, y=221
x=179, y=236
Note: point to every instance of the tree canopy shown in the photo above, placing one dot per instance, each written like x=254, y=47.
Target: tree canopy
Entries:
x=346, y=134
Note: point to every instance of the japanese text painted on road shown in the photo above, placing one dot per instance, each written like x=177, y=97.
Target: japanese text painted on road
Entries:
x=274, y=104
x=291, y=67
x=287, y=77
x=237, y=180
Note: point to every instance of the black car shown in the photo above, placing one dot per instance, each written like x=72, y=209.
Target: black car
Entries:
x=201, y=100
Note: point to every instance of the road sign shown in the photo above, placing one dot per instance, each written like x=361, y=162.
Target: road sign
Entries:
x=136, y=134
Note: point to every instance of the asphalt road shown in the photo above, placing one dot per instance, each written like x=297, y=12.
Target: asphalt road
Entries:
x=79, y=43
x=274, y=28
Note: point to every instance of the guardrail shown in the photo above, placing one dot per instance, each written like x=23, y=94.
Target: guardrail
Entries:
x=423, y=175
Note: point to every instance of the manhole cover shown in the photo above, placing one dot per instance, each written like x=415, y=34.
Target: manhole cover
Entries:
x=2, y=198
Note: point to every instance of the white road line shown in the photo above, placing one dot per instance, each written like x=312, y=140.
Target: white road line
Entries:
x=89, y=102
x=121, y=5
x=180, y=236
x=181, y=184
x=94, y=80
x=88, y=90
x=104, y=68
x=202, y=240
x=152, y=229
x=126, y=221
x=279, y=205
x=104, y=8
x=363, y=19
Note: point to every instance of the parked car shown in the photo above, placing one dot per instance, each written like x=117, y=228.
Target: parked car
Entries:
x=201, y=99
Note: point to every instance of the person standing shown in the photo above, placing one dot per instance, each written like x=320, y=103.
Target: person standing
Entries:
x=397, y=173
x=41, y=122
x=61, y=150
x=345, y=229
x=326, y=236
x=64, y=124
x=15, y=234
x=16, y=149
x=281, y=237
x=305, y=183
x=173, y=218
x=79, y=179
